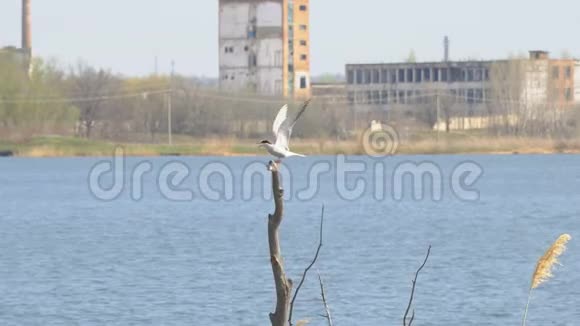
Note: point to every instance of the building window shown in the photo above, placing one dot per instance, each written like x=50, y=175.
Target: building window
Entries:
x=303, y=8
x=427, y=74
x=393, y=77
x=367, y=76
x=568, y=94
x=376, y=77
x=303, y=43
x=385, y=76
x=556, y=72
x=435, y=74
x=418, y=76
x=359, y=77
x=409, y=75
x=350, y=77
x=463, y=75
x=402, y=97
x=470, y=75
x=477, y=75
x=456, y=74
x=444, y=74
x=470, y=96
x=303, y=57
x=384, y=97
x=376, y=97
x=479, y=95
x=303, y=83
x=303, y=27
x=401, y=77
x=568, y=72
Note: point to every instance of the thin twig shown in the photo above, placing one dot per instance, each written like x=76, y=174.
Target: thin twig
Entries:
x=328, y=316
x=413, y=291
x=307, y=268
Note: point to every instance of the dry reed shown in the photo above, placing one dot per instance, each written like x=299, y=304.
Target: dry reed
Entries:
x=545, y=266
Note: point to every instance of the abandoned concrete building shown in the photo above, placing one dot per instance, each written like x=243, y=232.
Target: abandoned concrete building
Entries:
x=265, y=47
x=472, y=84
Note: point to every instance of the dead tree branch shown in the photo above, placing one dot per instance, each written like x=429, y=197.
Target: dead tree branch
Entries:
x=283, y=284
x=413, y=292
x=307, y=268
x=328, y=316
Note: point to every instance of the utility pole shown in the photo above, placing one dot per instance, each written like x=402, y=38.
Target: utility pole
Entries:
x=169, y=108
x=438, y=115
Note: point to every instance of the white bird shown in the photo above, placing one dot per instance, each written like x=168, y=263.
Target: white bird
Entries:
x=282, y=129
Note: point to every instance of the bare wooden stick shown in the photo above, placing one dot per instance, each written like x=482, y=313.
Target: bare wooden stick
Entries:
x=328, y=316
x=283, y=284
x=413, y=292
x=307, y=268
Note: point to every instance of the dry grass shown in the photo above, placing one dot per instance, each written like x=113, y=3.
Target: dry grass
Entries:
x=490, y=146
x=545, y=265
x=547, y=262
x=426, y=143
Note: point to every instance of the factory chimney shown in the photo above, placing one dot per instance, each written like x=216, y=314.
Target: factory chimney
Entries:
x=26, y=32
x=446, y=46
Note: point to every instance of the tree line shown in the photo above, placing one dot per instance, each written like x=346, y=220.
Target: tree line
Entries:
x=89, y=102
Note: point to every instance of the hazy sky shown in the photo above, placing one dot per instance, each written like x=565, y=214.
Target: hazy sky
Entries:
x=126, y=35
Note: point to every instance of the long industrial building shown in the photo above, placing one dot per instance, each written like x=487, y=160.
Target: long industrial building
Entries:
x=264, y=47
x=537, y=80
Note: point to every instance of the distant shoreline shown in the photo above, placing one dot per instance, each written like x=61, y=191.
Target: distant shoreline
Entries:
x=40, y=147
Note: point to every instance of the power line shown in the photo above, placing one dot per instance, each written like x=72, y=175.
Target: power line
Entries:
x=409, y=99
x=82, y=99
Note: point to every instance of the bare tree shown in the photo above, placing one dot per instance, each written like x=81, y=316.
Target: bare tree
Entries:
x=88, y=89
x=283, y=284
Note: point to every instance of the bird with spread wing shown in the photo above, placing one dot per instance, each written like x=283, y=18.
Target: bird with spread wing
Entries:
x=282, y=129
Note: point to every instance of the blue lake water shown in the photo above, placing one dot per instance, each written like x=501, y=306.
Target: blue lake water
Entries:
x=68, y=258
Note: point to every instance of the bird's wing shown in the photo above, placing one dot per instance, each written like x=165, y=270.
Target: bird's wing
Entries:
x=285, y=129
x=280, y=118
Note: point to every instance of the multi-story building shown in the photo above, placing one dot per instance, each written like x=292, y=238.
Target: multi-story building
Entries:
x=530, y=82
x=264, y=47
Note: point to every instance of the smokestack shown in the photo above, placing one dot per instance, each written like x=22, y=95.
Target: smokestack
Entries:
x=26, y=32
x=446, y=46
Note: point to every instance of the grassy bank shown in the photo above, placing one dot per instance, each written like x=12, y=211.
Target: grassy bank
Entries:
x=418, y=144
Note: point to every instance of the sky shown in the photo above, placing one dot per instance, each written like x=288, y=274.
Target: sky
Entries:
x=127, y=35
